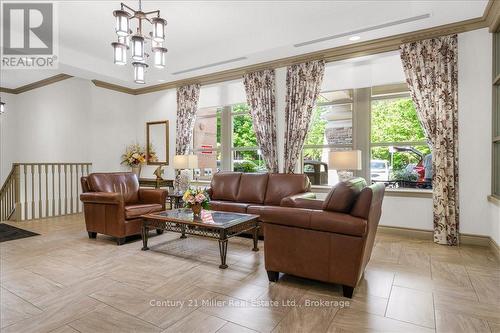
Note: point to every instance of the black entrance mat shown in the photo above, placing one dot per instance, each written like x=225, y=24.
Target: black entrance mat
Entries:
x=8, y=232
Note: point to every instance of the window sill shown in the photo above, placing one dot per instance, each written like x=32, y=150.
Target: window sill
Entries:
x=494, y=199
x=391, y=192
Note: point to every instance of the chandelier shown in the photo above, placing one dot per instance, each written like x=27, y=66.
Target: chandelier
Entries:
x=137, y=41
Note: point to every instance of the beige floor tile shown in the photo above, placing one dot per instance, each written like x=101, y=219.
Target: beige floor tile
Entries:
x=233, y=328
x=410, y=305
x=230, y=287
x=467, y=308
x=196, y=322
x=282, y=294
x=54, y=317
x=125, y=298
x=65, y=329
x=165, y=311
x=28, y=285
x=60, y=272
x=376, y=282
x=258, y=318
x=494, y=327
x=412, y=257
x=312, y=314
x=487, y=287
x=107, y=319
x=455, y=274
x=355, y=321
x=14, y=308
x=441, y=287
x=448, y=322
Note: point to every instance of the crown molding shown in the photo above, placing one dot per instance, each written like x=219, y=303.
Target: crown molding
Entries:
x=114, y=87
x=492, y=15
x=37, y=84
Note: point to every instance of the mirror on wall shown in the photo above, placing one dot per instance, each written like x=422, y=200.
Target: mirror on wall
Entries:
x=157, y=142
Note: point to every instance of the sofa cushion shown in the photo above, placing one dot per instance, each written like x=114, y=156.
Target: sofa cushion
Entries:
x=225, y=185
x=228, y=206
x=281, y=185
x=338, y=223
x=125, y=183
x=252, y=187
x=134, y=211
x=343, y=195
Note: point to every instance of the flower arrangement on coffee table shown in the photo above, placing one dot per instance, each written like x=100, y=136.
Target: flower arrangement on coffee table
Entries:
x=196, y=199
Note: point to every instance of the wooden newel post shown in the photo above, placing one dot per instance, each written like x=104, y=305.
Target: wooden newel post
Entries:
x=17, y=188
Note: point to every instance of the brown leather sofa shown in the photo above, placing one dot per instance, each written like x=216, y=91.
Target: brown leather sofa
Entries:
x=248, y=192
x=328, y=240
x=113, y=204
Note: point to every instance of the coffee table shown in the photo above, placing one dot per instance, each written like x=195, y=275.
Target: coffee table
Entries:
x=212, y=224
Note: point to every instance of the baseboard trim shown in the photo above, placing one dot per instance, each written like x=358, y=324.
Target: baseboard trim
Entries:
x=466, y=239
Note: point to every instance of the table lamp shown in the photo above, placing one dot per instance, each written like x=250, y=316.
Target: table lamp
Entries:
x=345, y=162
x=183, y=164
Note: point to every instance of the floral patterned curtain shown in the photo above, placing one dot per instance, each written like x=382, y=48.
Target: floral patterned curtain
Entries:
x=187, y=105
x=260, y=90
x=303, y=83
x=431, y=73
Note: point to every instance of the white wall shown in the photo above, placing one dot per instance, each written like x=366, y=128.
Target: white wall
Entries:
x=46, y=125
x=474, y=105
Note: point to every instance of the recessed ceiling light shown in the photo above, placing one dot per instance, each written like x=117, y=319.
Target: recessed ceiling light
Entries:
x=354, y=38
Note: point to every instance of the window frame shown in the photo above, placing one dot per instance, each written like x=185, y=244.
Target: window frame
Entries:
x=495, y=133
x=331, y=146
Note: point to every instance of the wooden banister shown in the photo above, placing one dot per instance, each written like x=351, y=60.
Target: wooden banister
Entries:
x=40, y=190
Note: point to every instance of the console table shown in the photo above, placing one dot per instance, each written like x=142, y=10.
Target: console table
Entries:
x=156, y=183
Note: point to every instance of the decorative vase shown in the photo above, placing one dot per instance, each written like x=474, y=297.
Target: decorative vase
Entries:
x=196, y=208
x=137, y=170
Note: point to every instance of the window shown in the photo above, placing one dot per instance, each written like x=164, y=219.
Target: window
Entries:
x=224, y=139
x=331, y=129
x=400, y=156
x=496, y=117
x=207, y=142
x=245, y=151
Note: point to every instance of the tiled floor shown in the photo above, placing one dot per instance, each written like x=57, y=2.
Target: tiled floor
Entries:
x=62, y=281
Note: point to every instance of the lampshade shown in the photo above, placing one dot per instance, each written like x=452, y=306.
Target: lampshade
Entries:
x=2, y=107
x=120, y=53
x=158, y=28
x=138, y=48
x=139, y=72
x=159, y=56
x=185, y=161
x=345, y=160
x=122, y=23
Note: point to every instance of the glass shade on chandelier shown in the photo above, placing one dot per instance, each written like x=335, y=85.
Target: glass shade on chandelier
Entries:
x=129, y=28
x=140, y=72
x=159, y=56
x=138, y=48
x=120, y=53
x=158, y=34
x=122, y=22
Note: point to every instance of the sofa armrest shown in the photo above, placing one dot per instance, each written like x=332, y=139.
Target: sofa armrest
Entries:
x=290, y=200
x=152, y=196
x=210, y=192
x=110, y=198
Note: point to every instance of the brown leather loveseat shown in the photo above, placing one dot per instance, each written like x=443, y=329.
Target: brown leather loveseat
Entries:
x=113, y=204
x=248, y=192
x=328, y=240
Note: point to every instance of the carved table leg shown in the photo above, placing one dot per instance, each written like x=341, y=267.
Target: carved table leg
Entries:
x=145, y=234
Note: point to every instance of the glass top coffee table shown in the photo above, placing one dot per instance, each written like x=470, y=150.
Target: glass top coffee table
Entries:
x=213, y=224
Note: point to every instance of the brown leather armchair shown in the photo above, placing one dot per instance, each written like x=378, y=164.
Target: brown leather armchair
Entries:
x=328, y=240
x=113, y=204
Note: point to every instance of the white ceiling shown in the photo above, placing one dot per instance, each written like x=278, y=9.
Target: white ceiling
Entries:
x=207, y=32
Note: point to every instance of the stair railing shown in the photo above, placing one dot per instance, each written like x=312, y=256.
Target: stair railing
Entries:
x=41, y=190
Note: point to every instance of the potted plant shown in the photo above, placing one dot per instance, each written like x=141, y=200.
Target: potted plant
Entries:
x=134, y=157
x=196, y=199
